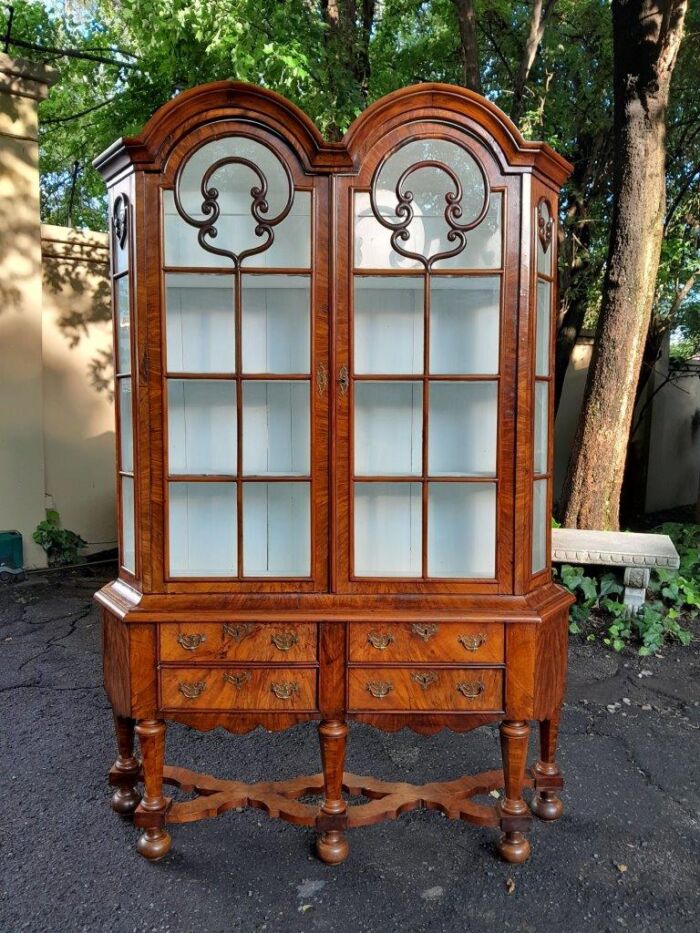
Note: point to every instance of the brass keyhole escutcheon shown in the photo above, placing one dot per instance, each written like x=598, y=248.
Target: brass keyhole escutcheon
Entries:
x=285, y=691
x=424, y=680
x=190, y=642
x=426, y=632
x=379, y=689
x=284, y=641
x=238, y=680
x=380, y=641
x=238, y=632
x=192, y=691
x=472, y=642
x=471, y=689
x=343, y=380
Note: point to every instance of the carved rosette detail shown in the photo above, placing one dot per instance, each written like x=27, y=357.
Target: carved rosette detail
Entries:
x=120, y=219
x=404, y=210
x=545, y=224
x=259, y=207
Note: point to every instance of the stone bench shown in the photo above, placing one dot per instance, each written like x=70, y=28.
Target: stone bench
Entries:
x=637, y=553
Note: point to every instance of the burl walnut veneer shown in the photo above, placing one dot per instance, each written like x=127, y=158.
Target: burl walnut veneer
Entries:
x=334, y=436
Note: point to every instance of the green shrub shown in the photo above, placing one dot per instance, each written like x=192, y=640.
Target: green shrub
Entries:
x=61, y=545
x=673, y=600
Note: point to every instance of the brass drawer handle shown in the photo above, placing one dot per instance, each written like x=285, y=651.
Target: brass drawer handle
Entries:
x=424, y=680
x=381, y=642
x=238, y=632
x=284, y=641
x=425, y=632
x=285, y=691
x=190, y=642
x=471, y=689
x=238, y=680
x=192, y=691
x=379, y=688
x=472, y=642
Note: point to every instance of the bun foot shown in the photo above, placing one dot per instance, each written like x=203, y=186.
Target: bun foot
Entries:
x=332, y=847
x=154, y=843
x=125, y=800
x=547, y=806
x=513, y=848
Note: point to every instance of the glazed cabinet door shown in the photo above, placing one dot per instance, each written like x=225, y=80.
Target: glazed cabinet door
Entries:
x=244, y=343
x=427, y=311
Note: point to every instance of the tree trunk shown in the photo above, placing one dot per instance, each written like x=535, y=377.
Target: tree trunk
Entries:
x=646, y=38
x=538, y=17
x=466, y=18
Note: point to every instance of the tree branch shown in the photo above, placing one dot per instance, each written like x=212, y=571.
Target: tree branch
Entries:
x=70, y=53
x=81, y=113
x=540, y=13
x=466, y=19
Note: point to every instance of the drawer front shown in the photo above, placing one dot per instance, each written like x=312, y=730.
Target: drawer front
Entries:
x=238, y=641
x=238, y=688
x=425, y=689
x=409, y=642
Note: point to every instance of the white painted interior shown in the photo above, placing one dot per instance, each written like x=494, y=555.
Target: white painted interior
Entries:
x=542, y=331
x=388, y=428
x=464, y=324
x=128, y=523
x=388, y=325
x=276, y=529
x=540, y=520
x=462, y=530
x=126, y=433
x=276, y=438
x=541, y=426
x=200, y=323
x=201, y=426
x=202, y=529
x=387, y=529
x=462, y=428
x=276, y=323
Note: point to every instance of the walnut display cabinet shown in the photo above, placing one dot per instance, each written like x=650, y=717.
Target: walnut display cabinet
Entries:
x=334, y=402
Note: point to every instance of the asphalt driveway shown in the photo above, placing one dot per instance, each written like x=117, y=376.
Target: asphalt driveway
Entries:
x=626, y=854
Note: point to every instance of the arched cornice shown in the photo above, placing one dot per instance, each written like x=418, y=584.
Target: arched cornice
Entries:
x=217, y=101
x=235, y=99
x=450, y=102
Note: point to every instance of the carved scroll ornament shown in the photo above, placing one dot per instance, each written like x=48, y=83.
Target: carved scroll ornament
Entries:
x=120, y=219
x=545, y=224
x=452, y=213
x=211, y=209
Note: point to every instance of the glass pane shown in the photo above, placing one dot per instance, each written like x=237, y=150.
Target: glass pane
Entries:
x=544, y=316
x=200, y=323
x=464, y=324
x=121, y=298
x=388, y=428
x=541, y=426
x=290, y=249
x=276, y=334
x=544, y=259
x=128, y=524
x=201, y=426
x=202, y=529
x=126, y=427
x=388, y=529
x=461, y=530
x=462, y=428
x=540, y=519
x=276, y=530
x=388, y=316
x=276, y=428
x=373, y=248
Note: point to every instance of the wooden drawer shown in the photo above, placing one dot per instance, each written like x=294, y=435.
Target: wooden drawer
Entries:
x=223, y=688
x=238, y=641
x=425, y=689
x=460, y=642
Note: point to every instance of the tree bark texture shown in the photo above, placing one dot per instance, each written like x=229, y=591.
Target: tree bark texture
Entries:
x=540, y=12
x=646, y=38
x=466, y=18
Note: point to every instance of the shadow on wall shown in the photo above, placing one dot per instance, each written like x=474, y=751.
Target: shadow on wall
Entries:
x=76, y=284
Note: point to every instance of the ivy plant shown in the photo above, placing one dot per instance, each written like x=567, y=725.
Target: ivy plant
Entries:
x=62, y=546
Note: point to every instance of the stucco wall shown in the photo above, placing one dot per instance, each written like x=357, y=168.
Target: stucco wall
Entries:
x=78, y=410
x=22, y=85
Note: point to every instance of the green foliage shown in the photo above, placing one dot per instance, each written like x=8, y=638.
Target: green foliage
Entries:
x=61, y=545
x=674, y=600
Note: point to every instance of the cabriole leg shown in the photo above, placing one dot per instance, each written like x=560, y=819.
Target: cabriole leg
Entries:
x=331, y=845
x=546, y=804
x=154, y=842
x=515, y=815
x=124, y=774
